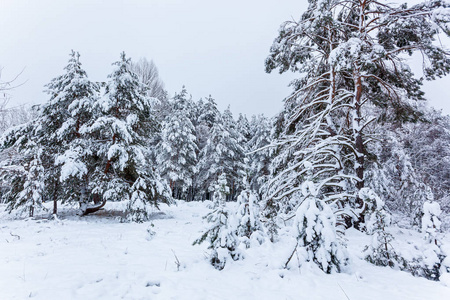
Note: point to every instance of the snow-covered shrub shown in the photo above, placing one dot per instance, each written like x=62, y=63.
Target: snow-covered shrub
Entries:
x=315, y=230
x=269, y=218
x=429, y=261
x=380, y=252
x=431, y=224
x=221, y=190
x=150, y=232
x=432, y=253
x=249, y=227
x=145, y=193
x=221, y=236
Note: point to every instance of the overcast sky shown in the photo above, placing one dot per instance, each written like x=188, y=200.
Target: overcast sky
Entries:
x=211, y=47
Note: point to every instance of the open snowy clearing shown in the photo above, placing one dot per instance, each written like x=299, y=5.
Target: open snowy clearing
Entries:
x=97, y=257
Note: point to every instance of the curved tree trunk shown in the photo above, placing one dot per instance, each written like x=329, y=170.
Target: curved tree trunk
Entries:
x=93, y=209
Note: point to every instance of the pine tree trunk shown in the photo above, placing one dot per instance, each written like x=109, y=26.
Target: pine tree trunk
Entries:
x=83, y=200
x=359, y=143
x=55, y=200
x=357, y=130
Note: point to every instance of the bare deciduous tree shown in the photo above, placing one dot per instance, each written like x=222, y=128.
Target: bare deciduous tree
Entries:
x=149, y=75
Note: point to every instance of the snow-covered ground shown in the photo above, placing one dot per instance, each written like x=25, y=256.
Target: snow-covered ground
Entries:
x=97, y=257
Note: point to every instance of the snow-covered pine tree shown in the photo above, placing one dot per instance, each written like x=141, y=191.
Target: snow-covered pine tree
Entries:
x=177, y=155
x=243, y=127
x=26, y=193
x=312, y=127
x=259, y=156
x=349, y=53
x=55, y=130
x=236, y=163
x=221, y=153
x=121, y=133
x=221, y=235
x=220, y=191
x=380, y=79
x=249, y=227
x=315, y=231
x=431, y=224
x=13, y=173
x=74, y=96
x=33, y=191
x=207, y=115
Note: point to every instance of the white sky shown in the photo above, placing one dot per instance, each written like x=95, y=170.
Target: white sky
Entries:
x=212, y=47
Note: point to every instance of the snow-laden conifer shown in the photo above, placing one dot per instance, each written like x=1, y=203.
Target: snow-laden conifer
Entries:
x=259, y=156
x=431, y=224
x=349, y=56
x=237, y=163
x=249, y=227
x=121, y=132
x=221, y=154
x=177, y=155
x=315, y=232
x=220, y=191
x=312, y=128
x=26, y=195
x=72, y=106
x=221, y=235
x=243, y=127
x=55, y=132
x=380, y=251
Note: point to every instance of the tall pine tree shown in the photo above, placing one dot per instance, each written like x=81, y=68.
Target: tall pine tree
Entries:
x=121, y=132
x=177, y=156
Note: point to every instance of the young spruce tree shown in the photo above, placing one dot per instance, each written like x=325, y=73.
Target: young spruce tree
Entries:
x=221, y=235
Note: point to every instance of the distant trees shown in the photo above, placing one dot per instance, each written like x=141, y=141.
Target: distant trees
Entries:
x=12, y=116
x=412, y=158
